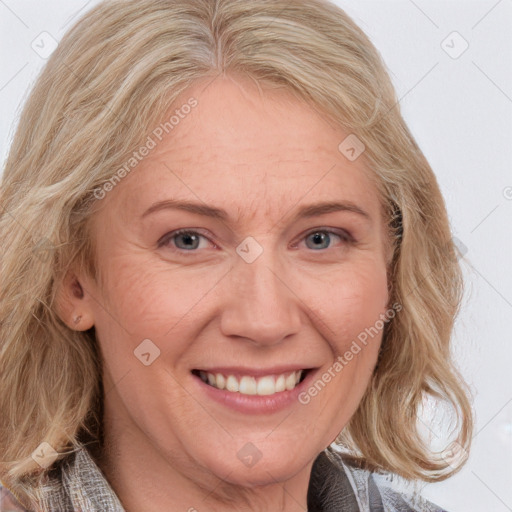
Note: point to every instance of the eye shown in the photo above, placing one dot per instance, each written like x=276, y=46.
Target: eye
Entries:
x=189, y=240
x=183, y=239
x=321, y=238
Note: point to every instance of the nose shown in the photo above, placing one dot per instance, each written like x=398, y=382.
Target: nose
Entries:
x=262, y=307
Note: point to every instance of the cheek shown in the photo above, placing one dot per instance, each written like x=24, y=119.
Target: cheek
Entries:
x=347, y=301
x=151, y=297
x=147, y=298
x=349, y=315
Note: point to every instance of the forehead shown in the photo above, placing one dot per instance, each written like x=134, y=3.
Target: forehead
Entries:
x=256, y=152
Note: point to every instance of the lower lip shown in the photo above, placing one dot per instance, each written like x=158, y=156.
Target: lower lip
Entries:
x=255, y=404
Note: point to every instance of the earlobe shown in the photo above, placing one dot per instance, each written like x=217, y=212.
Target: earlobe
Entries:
x=82, y=322
x=71, y=304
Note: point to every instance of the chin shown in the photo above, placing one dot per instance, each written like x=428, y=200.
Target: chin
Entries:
x=251, y=466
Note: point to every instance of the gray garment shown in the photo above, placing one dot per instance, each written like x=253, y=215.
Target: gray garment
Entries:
x=336, y=486
x=80, y=486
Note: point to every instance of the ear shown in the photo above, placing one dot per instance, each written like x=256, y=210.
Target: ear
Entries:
x=72, y=305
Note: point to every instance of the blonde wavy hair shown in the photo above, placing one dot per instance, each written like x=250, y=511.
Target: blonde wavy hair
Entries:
x=103, y=90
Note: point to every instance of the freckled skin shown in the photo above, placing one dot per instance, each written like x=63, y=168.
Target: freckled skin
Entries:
x=259, y=157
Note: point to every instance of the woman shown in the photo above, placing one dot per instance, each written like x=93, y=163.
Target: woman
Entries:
x=228, y=276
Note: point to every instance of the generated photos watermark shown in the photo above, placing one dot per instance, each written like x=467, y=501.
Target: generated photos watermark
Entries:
x=343, y=360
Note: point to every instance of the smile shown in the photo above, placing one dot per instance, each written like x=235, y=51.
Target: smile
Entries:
x=250, y=385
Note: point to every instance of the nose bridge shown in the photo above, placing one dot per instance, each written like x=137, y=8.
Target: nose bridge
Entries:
x=262, y=307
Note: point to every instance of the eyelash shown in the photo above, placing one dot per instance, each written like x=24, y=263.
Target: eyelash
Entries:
x=346, y=238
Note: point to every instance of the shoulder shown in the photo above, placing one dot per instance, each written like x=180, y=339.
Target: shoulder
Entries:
x=8, y=502
x=378, y=493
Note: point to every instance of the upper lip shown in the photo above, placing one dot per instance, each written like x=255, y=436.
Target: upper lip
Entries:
x=254, y=372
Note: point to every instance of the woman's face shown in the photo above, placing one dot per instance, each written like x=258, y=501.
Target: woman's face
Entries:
x=263, y=288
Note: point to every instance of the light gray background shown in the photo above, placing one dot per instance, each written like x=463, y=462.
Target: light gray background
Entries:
x=460, y=111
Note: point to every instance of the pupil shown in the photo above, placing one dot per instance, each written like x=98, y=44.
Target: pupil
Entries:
x=318, y=238
x=188, y=239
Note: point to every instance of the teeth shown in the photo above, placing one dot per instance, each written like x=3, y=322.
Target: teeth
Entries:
x=220, y=381
x=267, y=385
x=247, y=386
x=290, y=381
x=280, y=383
x=232, y=384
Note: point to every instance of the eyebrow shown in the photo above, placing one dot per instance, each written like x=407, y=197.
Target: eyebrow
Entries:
x=306, y=211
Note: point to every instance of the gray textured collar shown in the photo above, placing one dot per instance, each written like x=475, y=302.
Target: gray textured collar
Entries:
x=80, y=486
